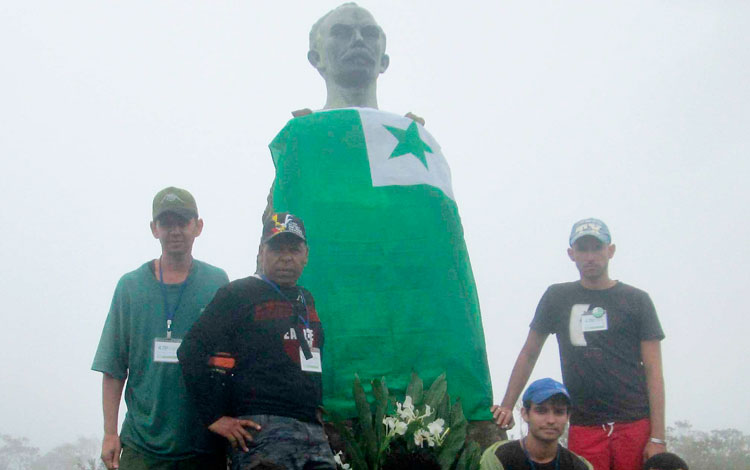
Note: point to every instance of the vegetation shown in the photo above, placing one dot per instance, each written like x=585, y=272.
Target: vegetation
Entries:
x=727, y=449
x=17, y=454
x=422, y=426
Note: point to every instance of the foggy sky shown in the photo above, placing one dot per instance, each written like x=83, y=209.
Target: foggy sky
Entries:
x=634, y=112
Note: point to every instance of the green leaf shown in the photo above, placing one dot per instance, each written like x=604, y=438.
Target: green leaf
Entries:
x=474, y=455
x=470, y=457
x=365, y=420
x=380, y=392
x=355, y=454
x=437, y=392
x=415, y=389
x=443, y=410
x=455, y=439
x=460, y=464
x=457, y=419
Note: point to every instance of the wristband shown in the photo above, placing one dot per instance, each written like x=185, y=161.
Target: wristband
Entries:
x=657, y=441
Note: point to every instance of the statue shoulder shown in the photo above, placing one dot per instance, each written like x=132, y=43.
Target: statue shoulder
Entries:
x=414, y=117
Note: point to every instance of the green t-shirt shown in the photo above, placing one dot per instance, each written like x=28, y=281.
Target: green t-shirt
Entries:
x=160, y=420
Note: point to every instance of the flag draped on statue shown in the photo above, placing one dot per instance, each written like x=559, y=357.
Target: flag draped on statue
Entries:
x=388, y=264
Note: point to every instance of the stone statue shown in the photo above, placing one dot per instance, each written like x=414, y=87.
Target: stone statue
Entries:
x=388, y=261
x=347, y=47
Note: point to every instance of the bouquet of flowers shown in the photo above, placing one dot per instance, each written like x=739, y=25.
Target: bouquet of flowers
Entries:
x=424, y=425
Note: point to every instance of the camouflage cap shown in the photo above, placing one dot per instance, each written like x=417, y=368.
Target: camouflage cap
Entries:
x=176, y=200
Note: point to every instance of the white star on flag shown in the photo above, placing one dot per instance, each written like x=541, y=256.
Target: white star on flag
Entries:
x=405, y=170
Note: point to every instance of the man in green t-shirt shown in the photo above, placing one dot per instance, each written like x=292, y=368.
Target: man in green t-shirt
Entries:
x=152, y=309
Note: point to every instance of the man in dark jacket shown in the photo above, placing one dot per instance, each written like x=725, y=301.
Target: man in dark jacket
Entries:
x=252, y=362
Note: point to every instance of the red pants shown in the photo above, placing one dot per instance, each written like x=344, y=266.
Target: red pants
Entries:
x=614, y=446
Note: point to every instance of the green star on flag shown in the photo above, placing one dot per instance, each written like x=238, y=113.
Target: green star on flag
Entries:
x=409, y=142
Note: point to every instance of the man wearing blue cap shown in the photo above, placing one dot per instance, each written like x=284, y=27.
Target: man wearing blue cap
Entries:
x=546, y=409
x=609, y=340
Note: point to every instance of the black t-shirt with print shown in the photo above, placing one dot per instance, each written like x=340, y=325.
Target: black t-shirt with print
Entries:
x=249, y=322
x=601, y=367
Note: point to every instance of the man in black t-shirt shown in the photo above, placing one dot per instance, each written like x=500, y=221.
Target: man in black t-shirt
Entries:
x=546, y=409
x=252, y=362
x=609, y=340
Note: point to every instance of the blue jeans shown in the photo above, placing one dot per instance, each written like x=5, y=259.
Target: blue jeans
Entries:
x=284, y=443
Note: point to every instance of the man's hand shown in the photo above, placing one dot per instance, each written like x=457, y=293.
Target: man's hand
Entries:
x=503, y=416
x=111, y=448
x=652, y=448
x=233, y=429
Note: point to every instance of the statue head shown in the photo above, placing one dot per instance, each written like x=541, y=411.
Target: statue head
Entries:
x=348, y=47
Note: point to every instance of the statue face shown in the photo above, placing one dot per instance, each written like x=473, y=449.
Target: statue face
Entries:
x=350, y=48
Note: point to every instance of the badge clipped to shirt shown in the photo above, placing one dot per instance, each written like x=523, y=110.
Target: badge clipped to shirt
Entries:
x=313, y=364
x=594, y=320
x=165, y=350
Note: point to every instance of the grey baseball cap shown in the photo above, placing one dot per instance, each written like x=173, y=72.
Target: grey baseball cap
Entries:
x=593, y=227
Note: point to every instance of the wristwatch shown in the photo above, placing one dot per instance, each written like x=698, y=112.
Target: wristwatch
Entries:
x=657, y=441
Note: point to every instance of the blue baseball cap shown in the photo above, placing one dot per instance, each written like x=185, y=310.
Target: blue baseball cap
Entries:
x=593, y=227
x=542, y=389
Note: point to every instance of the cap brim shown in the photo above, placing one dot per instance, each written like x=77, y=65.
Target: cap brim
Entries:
x=274, y=235
x=545, y=395
x=182, y=212
x=598, y=236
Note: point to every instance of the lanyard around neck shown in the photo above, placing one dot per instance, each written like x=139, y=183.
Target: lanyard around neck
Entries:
x=300, y=297
x=531, y=462
x=170, y=312
x=304, y=319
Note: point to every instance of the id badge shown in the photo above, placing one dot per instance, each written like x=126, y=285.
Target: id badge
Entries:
x=313, y=364
x=165, y=350
x=594, y=320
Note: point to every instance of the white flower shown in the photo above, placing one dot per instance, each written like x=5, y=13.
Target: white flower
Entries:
x=393, y=426
x=337, y=458
x=408, y=402
x=440, y=438
x=406, y=411
x=401, y=428
x=419, y=437
x=422, y=436
x=436, y=427
x=390, y=423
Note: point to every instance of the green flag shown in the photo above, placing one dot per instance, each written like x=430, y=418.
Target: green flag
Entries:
x=388, y=265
